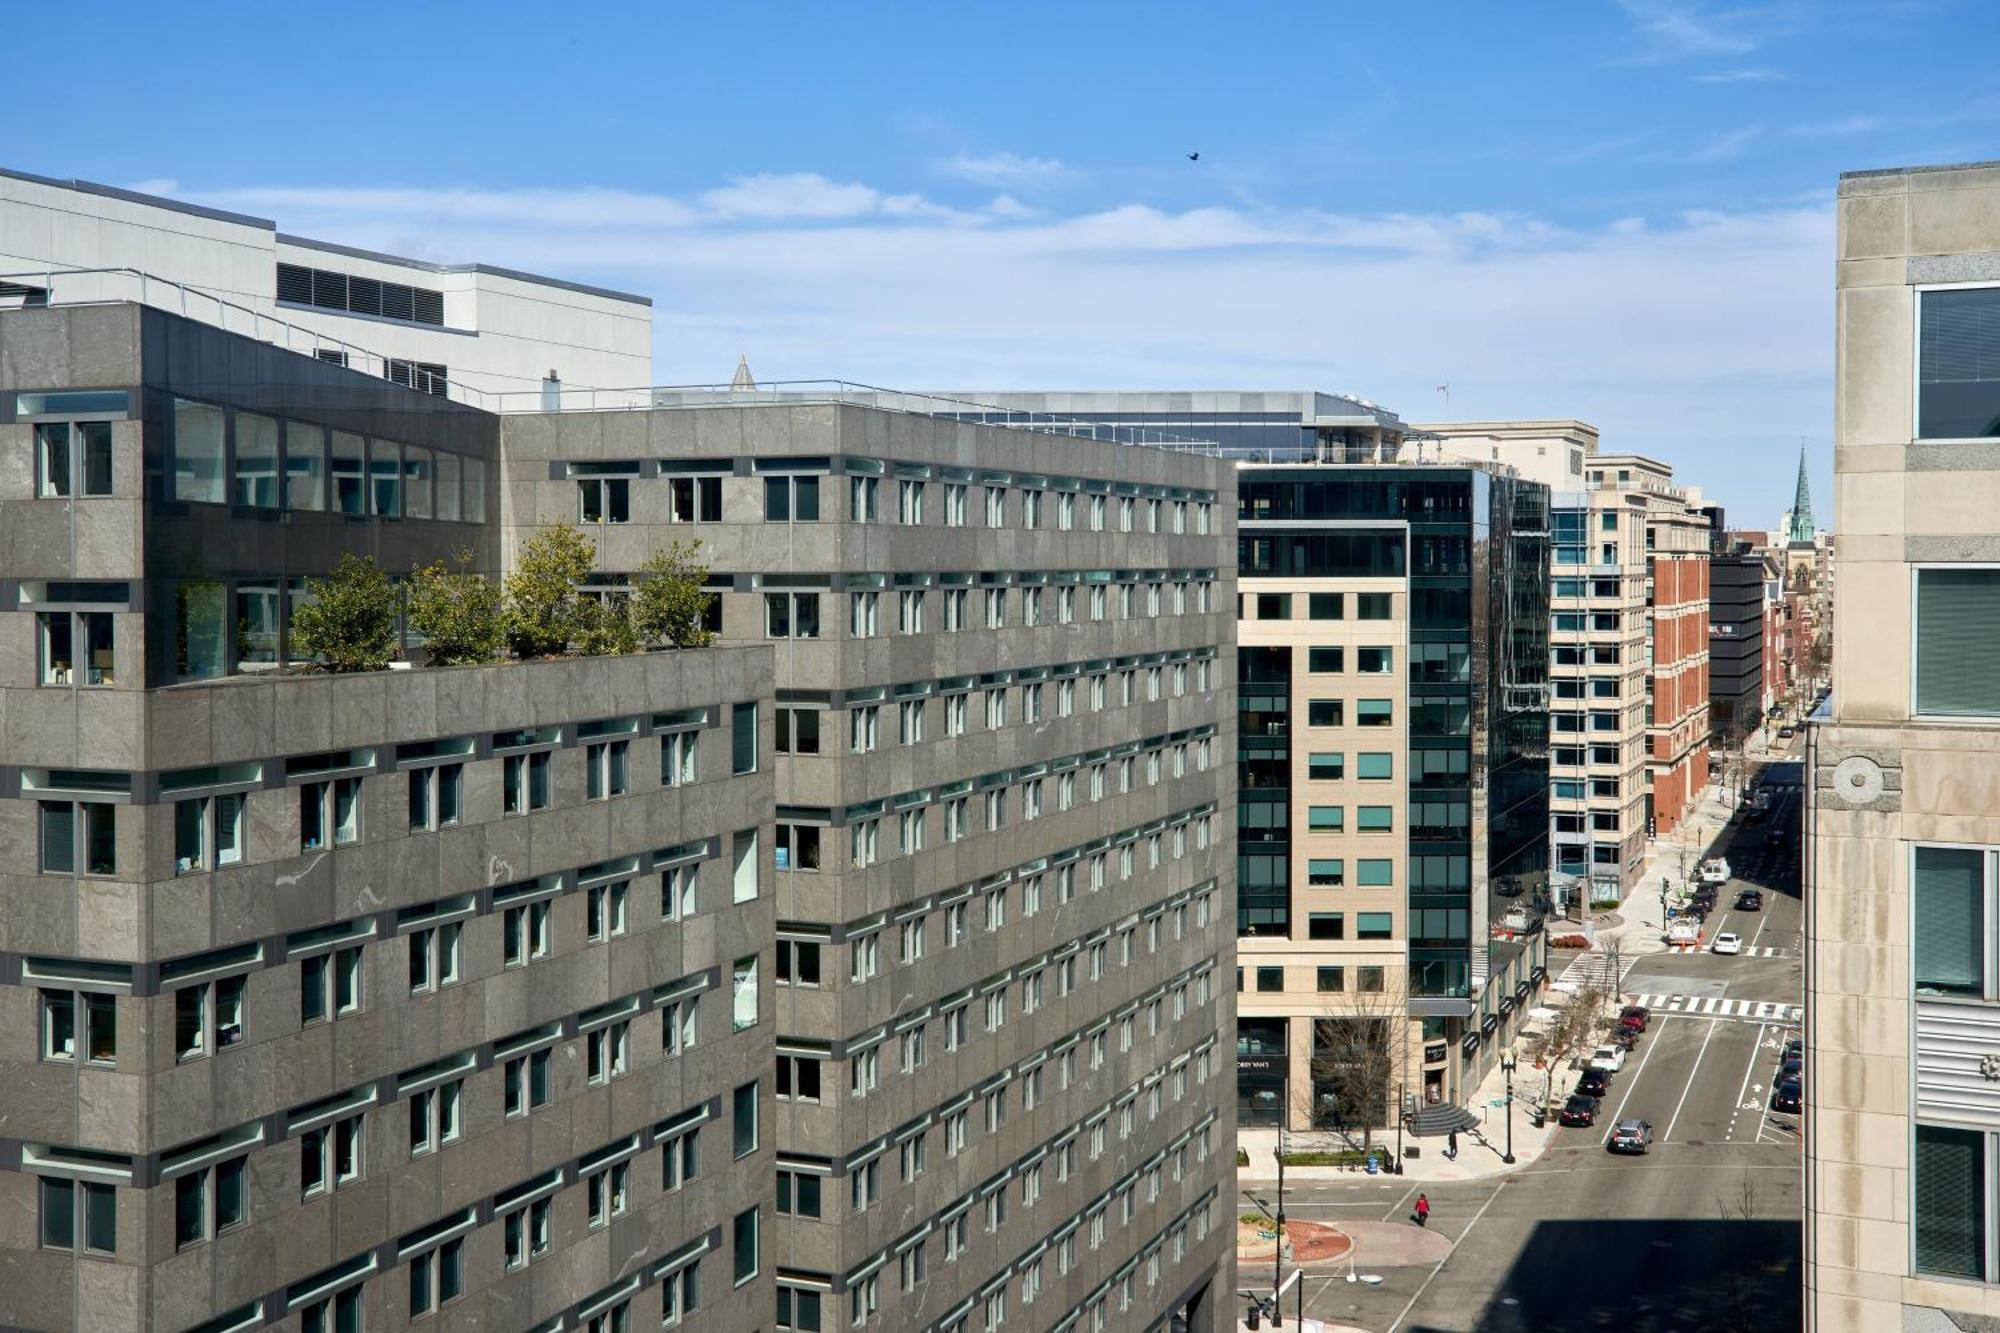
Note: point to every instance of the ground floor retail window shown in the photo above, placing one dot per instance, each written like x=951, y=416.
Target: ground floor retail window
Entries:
x=1953, y=1202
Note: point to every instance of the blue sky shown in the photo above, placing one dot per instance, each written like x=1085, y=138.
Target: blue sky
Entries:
x=1620, y=211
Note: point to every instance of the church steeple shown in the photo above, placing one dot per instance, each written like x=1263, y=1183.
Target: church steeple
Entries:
x=1801, y=528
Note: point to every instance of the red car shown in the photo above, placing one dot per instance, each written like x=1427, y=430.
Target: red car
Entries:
x=1634, y=1016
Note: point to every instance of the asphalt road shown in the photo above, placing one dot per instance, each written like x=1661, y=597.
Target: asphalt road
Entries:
x=1702, y=1233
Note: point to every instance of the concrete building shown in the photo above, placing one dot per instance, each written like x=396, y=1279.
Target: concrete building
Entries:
x=1392, y=769
x=871, y=966
x=1004, y=892
x=1902, y=1012
x=1666, y=522
x=493, y=337
x=1550, y=452
x=337, y=1001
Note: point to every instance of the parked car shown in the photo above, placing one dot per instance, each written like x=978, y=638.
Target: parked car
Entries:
x=1608, y=1058
x=1757, y=815
x=1625, y=1038
x=1750, y=900
x=1791, y=1066
x=1579, y=1111
x=1793, y=1047
x=1787, y=733
x=1715, y=870
x=1774, y=837
x=1788, y=1095
x=1593, y=1083
x=1634, y=1016
x=1727, y=941
x=1630, y=1136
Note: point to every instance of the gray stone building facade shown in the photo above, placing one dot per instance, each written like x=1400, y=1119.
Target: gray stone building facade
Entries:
x=870, y=967
x=417, y=998
x=1004, y=940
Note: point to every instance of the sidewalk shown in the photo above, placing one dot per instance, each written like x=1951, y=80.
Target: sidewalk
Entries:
x=1479, y=1150
x=1641, y=928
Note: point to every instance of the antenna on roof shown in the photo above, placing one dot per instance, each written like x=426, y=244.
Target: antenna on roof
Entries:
x=1444, y=390
x=743, y=379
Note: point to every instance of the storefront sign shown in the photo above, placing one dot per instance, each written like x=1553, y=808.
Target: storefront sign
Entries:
x=1434, y=1052
x=1470, y=1045
x=1260, y=1064
x=1486, y=1027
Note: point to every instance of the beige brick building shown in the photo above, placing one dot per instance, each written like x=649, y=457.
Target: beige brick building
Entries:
x=1902, y=988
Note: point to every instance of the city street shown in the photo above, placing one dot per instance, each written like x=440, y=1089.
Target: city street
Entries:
x=1700, y=1233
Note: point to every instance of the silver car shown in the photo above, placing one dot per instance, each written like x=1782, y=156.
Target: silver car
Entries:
x=1630, y=1136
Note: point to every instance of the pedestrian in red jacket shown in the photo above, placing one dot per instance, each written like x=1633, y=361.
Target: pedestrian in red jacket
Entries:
x=1423, y=1213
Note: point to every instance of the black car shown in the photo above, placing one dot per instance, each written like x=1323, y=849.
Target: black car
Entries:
x=1579, y=1111
x=1758, y=814
x=1594, y=1083
x=1791, y=1066
x=1788, y=1095
x=1793, y=1048
x=1750, y=900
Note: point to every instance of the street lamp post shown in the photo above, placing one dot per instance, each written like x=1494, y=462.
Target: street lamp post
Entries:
x=1278, y=1252
x=1507, y=1063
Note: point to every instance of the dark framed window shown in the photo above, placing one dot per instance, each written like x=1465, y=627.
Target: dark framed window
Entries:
x=1958, y=364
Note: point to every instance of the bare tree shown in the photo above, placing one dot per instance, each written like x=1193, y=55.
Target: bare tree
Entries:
x=1354, y=1063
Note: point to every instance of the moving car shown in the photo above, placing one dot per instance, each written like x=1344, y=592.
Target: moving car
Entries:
x=1727, y=942
x=1715, y=870
x=1634, y=1016
x=1608, y=1058
x=1593, y=1083
x=1788, y=1095
x=1750, y=900
x=1579, y=1111
x=1630, y=1136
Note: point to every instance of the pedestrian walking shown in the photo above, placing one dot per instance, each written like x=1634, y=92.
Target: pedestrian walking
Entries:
x=1451, y=1146
x=1423, y=1213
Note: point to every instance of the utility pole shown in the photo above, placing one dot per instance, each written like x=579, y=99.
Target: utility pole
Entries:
x=1507, y=1063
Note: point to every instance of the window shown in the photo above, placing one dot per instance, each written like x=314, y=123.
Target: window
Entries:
x=680, y=1294
x=1325, y=766
x=743, y=1238
x=525, y=1233
x=862, y=493
x=1374, y=818
x=743, y=738
x=799, y=1194
x=433, y=955
x=680, y=1158
x=330, y=812
x=330, y=985
x=607, y=769
x=996, y=608
x=743, y=1120
x=78, y=837
x=798, y=847
x=910, y=721
x=1951, y=886
x=607, y=1194
x=60, y=1010
x=954, y=504
x=909, y=502
x=524, y=933
x=524, y=782
x=864, y=842
x=437, y=1277
x=1958, y=364
x=910, y=611
x=1326, y=818
x=208, y=1017
x=211, y=1200
x=864, y=725
x=743, y=994
x=955, y=609
x=208, y=832
x=1325, y=712
x=63, y=1201
x=791, y=615
x=798, y=1078
x=1949, y=1208
x=1375, y=926
x=799, y=1308
x=1270, y=979
x=798, y=731
x=864, y=614
x=1373, y=661
x=433, y=1116
x=1371, y=873
x=73, y=458
x=790, y=499
x=1325, y=873
x=1373, y=713
x=526, y=1083
x=604, y=500
x=76, y=648
x=1372, y=605
x=437, y=796
x=604, y=910
x=1957, y=636
x=1274, y=606
x=694, y=499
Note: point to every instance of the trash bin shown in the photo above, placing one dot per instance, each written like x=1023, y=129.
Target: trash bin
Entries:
x=1413, y=1151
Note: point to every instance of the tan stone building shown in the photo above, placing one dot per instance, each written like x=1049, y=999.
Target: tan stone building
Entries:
x=1903, y=857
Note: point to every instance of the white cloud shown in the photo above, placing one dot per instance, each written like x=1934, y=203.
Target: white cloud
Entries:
x=1752, y=75
x=1728, y=144
x=1003, y=168
x=1702, y=337
x=1684, y=29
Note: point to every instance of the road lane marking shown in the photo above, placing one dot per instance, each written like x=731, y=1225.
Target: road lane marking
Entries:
x=1668, y=1136
x=1699, y=1006
x=1620, y=1113
x=1749, y=1068
x=1447, y=1258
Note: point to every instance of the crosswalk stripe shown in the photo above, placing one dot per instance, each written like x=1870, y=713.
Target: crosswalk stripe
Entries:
x=1716, y=1006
